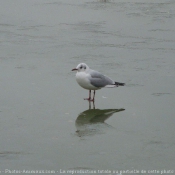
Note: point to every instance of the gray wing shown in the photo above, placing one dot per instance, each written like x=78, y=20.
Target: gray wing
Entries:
x=99, y=80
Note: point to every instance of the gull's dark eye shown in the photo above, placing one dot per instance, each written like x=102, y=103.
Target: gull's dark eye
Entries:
x=81, y=67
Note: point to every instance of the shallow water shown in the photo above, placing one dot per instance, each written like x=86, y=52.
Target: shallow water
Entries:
x=46, y=125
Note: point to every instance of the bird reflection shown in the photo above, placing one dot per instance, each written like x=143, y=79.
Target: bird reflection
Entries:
x=92, y=121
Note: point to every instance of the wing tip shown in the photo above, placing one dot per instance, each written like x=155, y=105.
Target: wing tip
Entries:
x=119, y=84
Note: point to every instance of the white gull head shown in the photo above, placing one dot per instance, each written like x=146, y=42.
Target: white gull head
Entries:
x=82, y=67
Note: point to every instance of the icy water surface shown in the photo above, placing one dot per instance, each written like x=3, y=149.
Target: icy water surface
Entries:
x=44, y=122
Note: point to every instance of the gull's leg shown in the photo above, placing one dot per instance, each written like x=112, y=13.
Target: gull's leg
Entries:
x=90, y=104
x=89, y=95
x=89, y=99
x=93, y=97
x=93, y=105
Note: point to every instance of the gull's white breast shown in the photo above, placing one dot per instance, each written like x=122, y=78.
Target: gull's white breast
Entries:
x=83, y=80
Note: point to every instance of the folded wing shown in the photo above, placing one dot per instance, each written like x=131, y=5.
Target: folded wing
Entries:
x=99, y=80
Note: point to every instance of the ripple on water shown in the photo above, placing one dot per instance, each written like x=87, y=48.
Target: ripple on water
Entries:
x=160, y=94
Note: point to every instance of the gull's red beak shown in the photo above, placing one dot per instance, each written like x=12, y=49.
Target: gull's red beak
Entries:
x=74, y=69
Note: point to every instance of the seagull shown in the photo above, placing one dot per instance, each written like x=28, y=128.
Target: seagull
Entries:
x=93, y=80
